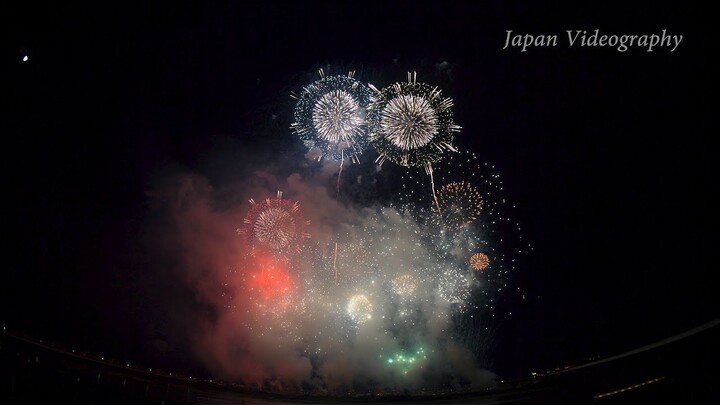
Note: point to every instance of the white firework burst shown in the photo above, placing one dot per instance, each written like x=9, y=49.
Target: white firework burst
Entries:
x=330, y=116
x=409, y=122
x=275, y=228
x=337, y=117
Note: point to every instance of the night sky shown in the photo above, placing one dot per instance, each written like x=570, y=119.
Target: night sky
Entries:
x=606, y=155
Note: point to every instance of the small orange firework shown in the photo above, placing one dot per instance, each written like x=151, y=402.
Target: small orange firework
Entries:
x=479, y=261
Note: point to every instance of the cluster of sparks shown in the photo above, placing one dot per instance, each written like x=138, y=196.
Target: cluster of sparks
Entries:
x=405, y=362
x=404, y=264
x=404, y=285
x=479, y=232
x=360, y=308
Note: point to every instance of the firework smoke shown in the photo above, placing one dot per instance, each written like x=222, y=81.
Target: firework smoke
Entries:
x=299, y=325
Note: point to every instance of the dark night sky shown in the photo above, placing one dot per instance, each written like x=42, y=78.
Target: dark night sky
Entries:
x=607, y=155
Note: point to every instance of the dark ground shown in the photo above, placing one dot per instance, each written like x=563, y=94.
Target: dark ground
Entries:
x=678, y=371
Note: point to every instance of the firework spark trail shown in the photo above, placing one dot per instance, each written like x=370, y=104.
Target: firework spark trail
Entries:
x=342, y=161
x=429, y=170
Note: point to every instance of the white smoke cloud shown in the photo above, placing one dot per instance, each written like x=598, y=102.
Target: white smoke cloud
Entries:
x=311, y=343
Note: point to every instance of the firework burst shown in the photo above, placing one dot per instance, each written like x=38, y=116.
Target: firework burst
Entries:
x=479, y=261
x=275, y=226
x=458, y=204
x=411, y=123
x=330, y=116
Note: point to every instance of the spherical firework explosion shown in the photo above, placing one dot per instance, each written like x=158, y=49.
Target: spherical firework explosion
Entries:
x=459, y=204
x=359, y=308
x=479, y=261
x=411, y=123
x=276, y=226
x=330, y=116
x=336, y=117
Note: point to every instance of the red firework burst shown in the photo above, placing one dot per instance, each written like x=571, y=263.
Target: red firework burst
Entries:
x=274, y=226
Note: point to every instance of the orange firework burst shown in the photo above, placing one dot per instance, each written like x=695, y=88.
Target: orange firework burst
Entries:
x=459, y=204
x=479, y=261
x=274, y=226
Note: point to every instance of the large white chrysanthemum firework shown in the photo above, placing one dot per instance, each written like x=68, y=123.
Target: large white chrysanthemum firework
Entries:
x=411, y=123
x=330, y=116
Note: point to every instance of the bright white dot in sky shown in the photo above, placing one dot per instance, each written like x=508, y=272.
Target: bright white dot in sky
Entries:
x=25, y=58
